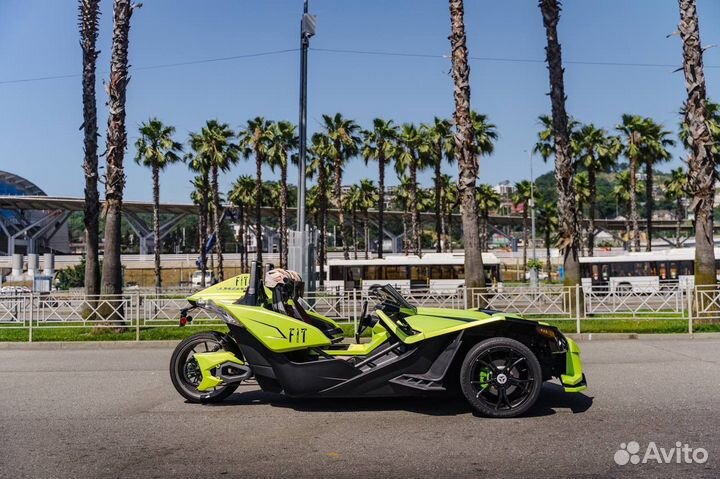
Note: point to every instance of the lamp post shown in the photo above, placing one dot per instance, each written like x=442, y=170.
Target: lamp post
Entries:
x=307, y=30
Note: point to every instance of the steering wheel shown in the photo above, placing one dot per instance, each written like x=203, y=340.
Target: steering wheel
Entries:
x=363, y=323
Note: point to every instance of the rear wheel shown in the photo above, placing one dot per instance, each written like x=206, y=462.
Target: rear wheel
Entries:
x=501, y=377
x=185, y=372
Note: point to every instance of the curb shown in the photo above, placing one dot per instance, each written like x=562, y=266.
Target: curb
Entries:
x=150, y=344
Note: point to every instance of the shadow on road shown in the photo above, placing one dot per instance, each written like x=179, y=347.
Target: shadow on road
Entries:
x=552, y=399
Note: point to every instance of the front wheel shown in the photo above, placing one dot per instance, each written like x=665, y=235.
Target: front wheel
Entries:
x=185, y=372
x=501, y=377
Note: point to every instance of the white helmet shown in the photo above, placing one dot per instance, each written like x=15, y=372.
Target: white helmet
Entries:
x=281, y=276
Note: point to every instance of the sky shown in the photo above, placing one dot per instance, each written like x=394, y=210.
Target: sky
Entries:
x=603, y=44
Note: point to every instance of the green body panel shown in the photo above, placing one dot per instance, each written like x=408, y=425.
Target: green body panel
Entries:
x=278, y=332
x=433, y=326
x=379, y=336
x=228, y=291
x=573, y=377
x=467, y=314
x=209, y=361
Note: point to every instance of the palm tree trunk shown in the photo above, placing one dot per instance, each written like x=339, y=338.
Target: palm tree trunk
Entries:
x=217, y=218
x=591, y=214
x=678, y=218
x=467, y=160
x=649, y=203
x=633, y=205
x=701, y=165
x=438, y=209
x=381, y=204
x=116, y=144
x=583, y=232
x=322, y=224
x=283, y=216
x=202, y=234
x=449, y=227
x=354, y=233
x=243, y=254
x=548, y=259
x=258, y=204
x=338, y=206
x=156, y=225
x=89, y=13
x=415, y=213
x=442, y=238
x=567, y=208
x=366, y=227
x=406, y=240
x=525, y=240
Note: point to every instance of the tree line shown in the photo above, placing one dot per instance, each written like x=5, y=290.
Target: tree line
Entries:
x=578, y=150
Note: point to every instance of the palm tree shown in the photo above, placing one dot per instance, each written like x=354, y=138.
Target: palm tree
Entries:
x=623, y=191
x=89, y=15
x=701, y=164
x=255, y=140
x=464, y=147
x=284, y=140
x=439, y=146
x=548, y=225
x=116, y=144
x=676, y=190
x=156, y=149
x=242, y=195
x=522, y=197
x=597, y=152
x=655, y=151
x=351, y=203
x=633, y=128
x=367, y=198
x=451, y=200
x=488, y=199
x=380, y=144
x=402, y=200
x=484, y=134
x=321, y=167
x=581, y=183
x=568, y=224
x=343, y=144
x=409, y=160
x=199, y=164
x=220, y=153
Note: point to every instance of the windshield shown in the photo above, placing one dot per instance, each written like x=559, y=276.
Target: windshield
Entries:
x=389, y=296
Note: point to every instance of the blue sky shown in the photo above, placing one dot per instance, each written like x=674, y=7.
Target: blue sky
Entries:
x=39, y=120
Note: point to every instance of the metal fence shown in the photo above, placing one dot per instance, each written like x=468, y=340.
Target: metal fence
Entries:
x=574, y=307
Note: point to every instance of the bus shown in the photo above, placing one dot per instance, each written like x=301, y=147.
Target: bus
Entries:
x=437, y=271
x=643, y=272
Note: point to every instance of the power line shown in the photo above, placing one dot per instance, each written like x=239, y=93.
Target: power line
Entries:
x=498, y=59
x=158, y=66
x=356, y=52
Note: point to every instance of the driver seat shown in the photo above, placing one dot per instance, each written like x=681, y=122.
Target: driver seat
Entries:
x=287, y=285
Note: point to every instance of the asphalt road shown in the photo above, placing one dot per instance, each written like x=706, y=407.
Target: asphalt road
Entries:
x=113, y=413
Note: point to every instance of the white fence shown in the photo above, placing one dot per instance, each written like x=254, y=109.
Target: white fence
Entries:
x=575, y=309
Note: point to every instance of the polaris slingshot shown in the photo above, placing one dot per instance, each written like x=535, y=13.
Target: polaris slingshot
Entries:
x=497, y=361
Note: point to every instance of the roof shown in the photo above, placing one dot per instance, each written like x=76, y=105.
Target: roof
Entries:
x=23, y=185
x=673, y=254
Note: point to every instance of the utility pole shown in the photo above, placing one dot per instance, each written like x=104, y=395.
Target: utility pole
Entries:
x=307, y=30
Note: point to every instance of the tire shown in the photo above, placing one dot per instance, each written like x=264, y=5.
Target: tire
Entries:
x=491, y=390
x=181, y=369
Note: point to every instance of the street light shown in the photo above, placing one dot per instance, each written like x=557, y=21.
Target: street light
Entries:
x=307, y=30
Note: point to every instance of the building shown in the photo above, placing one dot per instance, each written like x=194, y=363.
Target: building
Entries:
x=30, y=231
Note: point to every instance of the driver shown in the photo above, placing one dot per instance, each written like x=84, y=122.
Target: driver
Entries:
x=278, y=276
